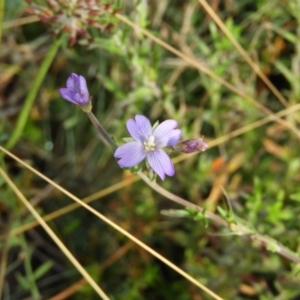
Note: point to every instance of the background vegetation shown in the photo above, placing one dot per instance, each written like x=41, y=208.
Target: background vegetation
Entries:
x=213, y=88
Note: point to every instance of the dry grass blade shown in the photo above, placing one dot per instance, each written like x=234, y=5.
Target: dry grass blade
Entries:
x=69, y=291
x=20, y=22
x=71, y=207
x=54, y=237
x=244, y=54
x=208, y=72
x=217, y=220
x=115, y=226
x=241, y=131
x=135, y=178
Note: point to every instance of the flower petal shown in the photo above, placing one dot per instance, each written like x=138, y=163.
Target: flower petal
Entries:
x=82, y=86
x=81, y=99
x=161, y=163
x=68, y=95
x=131, y=154
x=140, y=129
x=72, y=82
x=76, y=91
x=166, y=135
x=172, y=138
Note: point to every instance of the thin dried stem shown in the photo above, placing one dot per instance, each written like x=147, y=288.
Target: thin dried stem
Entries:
x=73, y=206
x=20, y=22
x=54, y=237
x=240, y=131
x=244, y=54
x=70, y=290
x=115, y=226
x=218, y=220
x=208, y=72
x=134, y=178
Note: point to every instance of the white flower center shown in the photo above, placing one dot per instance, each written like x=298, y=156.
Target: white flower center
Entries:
x=150, y=145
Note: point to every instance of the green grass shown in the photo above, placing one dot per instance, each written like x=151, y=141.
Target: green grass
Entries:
x=212, y=91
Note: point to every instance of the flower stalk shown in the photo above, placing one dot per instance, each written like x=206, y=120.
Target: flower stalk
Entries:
x=146, y=143
x=101, y=131
x=77, y=93
x=39, y=78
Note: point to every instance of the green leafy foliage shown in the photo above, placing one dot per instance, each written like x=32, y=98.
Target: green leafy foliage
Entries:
x=127, y=74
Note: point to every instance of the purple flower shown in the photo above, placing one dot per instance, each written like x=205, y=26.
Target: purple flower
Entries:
x=76, y=91
x=148, y=143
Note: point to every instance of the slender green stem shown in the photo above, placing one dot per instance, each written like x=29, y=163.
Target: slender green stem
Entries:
x=274, y=246
x=102, y=132
x=104, y=135
x=210, y=215
x=23, y=117
x=239, y=228
x=2, y=7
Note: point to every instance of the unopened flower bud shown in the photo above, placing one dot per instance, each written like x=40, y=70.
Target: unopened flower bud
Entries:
x=190, y=146
x=77, y=92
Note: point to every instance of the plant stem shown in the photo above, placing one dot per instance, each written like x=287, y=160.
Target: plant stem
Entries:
x=218, y=220
x=23, y=117
x=240, y=229
x=102, y=132
x=2, y=7
x=274, y=246
x=104, y=135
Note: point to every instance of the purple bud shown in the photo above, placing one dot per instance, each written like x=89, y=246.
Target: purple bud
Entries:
x=77, y=92
x=190, y=146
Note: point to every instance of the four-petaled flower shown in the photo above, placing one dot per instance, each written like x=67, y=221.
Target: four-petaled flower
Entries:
x=148, y=143
x=76, y=91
